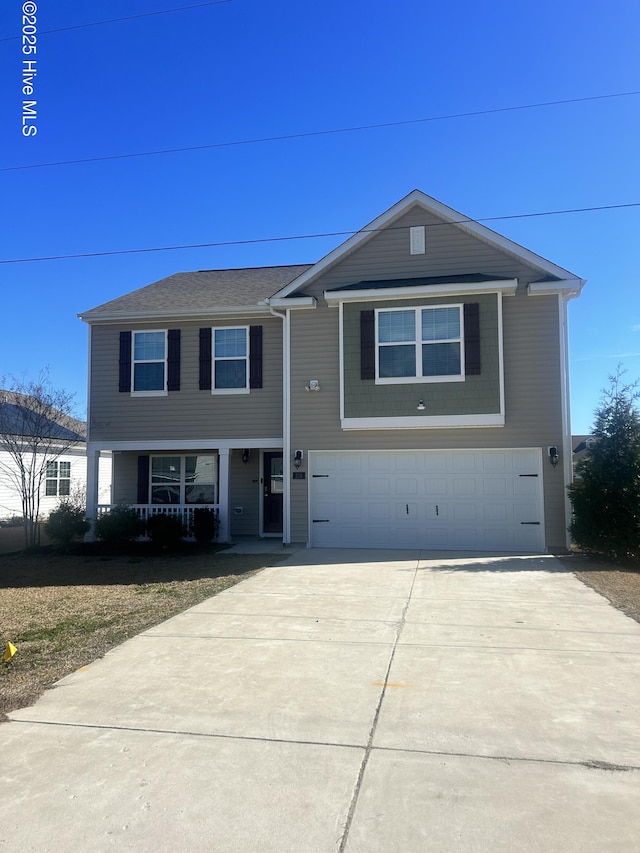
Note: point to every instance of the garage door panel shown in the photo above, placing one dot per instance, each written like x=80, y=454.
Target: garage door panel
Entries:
x=436, y=487
x=528, y=486
x=377, y=486
x=464, y=486
x=465, y=512
x=492, y=487
x=452, y=500
x=435, y=463
x=408, y=486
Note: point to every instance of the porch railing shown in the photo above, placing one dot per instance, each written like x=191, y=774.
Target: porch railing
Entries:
x=182, y=511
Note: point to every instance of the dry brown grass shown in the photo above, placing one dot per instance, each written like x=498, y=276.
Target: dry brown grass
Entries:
x=62, y=611
x=620, y=583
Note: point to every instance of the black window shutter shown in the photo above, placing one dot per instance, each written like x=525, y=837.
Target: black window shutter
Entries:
x=255, y=356
x=143, y=479
x=125, y=362
x=173, y=360
x=205, y=359
x=367, y=345
x=472, y=339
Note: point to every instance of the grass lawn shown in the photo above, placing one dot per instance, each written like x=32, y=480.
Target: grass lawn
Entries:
x=62, y=611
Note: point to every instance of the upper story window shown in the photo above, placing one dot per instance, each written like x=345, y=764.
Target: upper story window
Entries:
x=58, y=479
x=149, y=361
x=231, y=359
x=419, y=344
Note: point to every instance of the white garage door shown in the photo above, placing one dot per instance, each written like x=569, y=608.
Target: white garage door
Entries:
x=451, y=500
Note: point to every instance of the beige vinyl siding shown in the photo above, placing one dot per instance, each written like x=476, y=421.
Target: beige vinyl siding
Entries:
x=245, y=492
x=476, y=395
x=449, y=251
x=125, y=478
x=188, y=414
x=533, y=404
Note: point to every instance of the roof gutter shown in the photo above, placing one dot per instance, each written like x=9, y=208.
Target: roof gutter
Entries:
x=261, y=309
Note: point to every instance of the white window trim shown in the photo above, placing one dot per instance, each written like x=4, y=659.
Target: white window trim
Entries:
x=183, y=471
x=159, y=392
x=58, y=478
x=425, y=422
x=223, y=391
x=418, y=343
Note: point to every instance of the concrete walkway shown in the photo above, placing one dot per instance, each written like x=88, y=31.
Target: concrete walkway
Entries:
x=354, y=701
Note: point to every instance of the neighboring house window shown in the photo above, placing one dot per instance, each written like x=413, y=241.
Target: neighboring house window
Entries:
x=183, y=479
x=424, y=344
x=58, y=479
x=150, y=362
x=230, y=359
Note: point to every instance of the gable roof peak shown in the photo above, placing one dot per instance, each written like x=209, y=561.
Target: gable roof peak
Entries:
x=442, y=211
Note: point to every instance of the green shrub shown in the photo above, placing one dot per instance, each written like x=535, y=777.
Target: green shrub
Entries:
x=204, y=525
x=119, y=525
x=66, y=522
x=165, y=530
x=606, y=491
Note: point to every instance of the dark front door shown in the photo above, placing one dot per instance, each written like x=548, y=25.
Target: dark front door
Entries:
x=273, y=490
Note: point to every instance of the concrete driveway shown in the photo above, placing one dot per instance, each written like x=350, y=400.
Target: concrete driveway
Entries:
x=356, y=701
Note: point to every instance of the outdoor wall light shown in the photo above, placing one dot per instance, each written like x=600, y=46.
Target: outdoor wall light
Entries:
x=421, y=406
x=554, y=458
x=297, y=458
x=246, y=454
x=313, y=385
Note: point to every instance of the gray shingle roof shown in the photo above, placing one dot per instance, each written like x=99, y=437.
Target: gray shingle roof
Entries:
x=203, y=290
x=20, y=420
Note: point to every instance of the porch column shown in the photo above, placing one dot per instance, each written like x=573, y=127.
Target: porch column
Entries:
x=223, y=496
x=93, y=473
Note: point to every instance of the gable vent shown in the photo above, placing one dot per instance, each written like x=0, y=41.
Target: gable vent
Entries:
x=417, y=240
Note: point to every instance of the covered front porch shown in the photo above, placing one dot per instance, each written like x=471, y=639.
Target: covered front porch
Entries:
x=243, y=486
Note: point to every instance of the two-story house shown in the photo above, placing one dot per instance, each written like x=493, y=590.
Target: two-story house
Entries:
x=410, y=389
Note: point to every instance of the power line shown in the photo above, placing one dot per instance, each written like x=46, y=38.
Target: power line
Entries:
x=313, y=133
x=116, y=20
x=311, y=236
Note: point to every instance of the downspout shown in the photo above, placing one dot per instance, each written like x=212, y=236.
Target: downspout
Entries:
x=286, y=422
x=92, y=484
x=567, y=450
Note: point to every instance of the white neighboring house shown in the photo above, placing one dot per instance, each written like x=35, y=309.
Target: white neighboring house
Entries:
x=65, y=476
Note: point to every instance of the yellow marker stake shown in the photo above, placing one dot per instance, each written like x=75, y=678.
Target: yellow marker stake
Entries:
x=9, y=652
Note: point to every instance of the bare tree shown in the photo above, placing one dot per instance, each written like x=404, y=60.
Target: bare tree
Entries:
x=36, y=428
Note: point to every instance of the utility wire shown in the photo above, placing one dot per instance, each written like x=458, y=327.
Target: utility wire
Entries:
x=311, y=236
x=312, y=133
x=116, y=20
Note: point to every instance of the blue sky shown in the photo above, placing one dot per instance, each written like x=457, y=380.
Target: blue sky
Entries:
x=244, y=70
